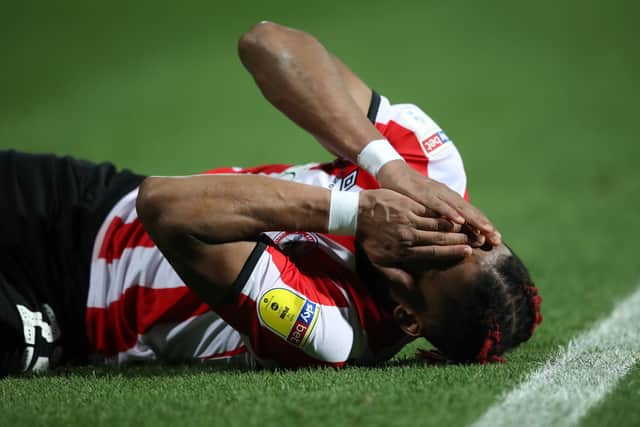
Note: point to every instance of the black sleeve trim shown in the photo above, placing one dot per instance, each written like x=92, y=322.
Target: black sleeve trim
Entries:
x=373, y=107
x=246, y=271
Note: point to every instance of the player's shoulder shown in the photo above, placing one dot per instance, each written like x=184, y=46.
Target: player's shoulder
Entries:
x=396, y=120
x=420, y=141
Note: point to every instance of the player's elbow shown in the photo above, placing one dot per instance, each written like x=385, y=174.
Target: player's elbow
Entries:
x=151, y=201
x=263, y=37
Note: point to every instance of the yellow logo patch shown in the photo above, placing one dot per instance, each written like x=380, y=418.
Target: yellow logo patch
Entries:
x=288, y=314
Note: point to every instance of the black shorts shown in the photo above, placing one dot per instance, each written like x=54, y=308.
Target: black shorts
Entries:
x=50, y=212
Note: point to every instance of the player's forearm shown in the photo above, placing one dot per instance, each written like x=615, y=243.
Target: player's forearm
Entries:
x=228, y=208
x=304, y=81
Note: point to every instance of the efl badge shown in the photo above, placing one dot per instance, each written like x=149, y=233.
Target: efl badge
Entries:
x=288, y=315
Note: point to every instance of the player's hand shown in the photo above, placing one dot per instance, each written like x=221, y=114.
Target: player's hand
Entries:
x=439, y=199
x=393, y=231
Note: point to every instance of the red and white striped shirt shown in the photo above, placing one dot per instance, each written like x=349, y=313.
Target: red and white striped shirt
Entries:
x=300, y=302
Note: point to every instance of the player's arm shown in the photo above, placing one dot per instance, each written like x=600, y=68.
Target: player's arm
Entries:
x=203, y=223
x=297, y=74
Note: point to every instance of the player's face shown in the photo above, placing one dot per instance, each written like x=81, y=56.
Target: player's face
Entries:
x=442, y=287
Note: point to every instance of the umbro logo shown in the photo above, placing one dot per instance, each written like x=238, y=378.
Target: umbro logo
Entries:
x=349, y=181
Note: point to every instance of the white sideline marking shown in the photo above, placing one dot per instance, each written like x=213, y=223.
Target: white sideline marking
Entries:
x=581, y=374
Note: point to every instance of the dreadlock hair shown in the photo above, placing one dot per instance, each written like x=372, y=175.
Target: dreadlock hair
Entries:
x=496, y=313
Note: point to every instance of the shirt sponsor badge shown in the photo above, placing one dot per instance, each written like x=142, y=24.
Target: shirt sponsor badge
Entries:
x=288, y=314
x=435, y=141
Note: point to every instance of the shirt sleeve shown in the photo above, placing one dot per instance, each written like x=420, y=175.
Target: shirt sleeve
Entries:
x=288, y=318
x=420, y=141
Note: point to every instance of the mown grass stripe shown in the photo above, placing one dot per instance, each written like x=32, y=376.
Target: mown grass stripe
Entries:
x=561, y=392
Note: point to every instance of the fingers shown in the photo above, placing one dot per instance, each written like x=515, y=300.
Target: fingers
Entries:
x=479, y=237
x=444, y=207
x=435, y=224
x=472, y=215
x=476, y=237
x=414, y=207
x=398, y=199
x=450, y=205
x=453, y=252
x=438, y=199
x=440, y=231
x=495, y=238
x=477, y=240
x=422, y=237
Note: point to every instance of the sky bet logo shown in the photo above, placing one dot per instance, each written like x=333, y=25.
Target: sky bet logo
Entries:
x=288, y=314
x=435, y=141
x=303, y=323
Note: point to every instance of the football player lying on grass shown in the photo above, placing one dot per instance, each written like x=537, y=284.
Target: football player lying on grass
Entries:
x=275, y=266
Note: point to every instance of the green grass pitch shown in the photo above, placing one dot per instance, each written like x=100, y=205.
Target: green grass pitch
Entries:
x=540, y=97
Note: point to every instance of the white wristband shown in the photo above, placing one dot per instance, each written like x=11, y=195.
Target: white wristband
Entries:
x=377, y=154
x=343, y=212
